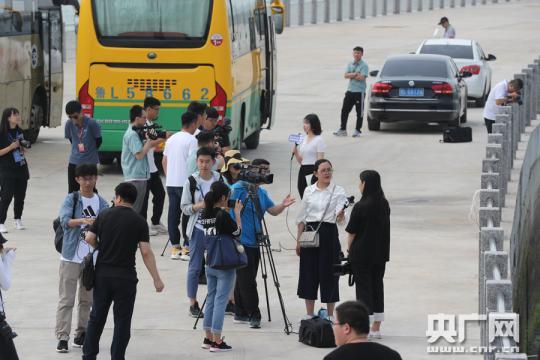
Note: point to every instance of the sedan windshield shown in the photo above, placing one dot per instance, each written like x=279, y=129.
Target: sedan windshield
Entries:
x=415, y=67
x=454, y=51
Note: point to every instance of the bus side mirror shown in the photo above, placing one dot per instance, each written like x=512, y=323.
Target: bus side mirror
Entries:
x=278, y=14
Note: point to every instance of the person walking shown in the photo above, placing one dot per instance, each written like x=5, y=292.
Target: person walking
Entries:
x=369, y=246
x=310, y=150
x=14, y=173
x=7, y=255
x=120, y=231
x=74, y=248
x=449, y=31
x=217, y=221
x=322, y=208
x=84, y=134
x=357, y=73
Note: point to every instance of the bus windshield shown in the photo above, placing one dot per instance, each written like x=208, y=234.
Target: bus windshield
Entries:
x=122, y=22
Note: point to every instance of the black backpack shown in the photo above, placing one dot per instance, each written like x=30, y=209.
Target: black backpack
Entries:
x=456, y=134
x=57, y=227
x=193, y=186
x=317, y=332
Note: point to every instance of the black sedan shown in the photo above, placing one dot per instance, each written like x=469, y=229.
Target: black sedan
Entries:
x=424, y=88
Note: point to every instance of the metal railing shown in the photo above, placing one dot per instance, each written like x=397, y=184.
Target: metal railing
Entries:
x=302, y=12
x=495, y=282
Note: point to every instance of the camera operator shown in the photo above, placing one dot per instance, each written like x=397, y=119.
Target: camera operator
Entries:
x=7, y=347
x=14, y=173
x=246, y=296
x=84, y=134
x=322, y=208
x=134, y=162
x=192, y=205
x=351, y=328
x=233, y=166
x=502, y=94
x=369, y=246
x=204, y=139
x=221, y=132
x=155, y=186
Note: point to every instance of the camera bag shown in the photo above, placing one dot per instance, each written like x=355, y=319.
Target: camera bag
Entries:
x=88, y=276
x=57, y=227
x=456, y=134
x=317, y=332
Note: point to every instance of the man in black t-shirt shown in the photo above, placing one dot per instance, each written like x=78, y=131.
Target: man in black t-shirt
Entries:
x=120, y=231
x=351, y=329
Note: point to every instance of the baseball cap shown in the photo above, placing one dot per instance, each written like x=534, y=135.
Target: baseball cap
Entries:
x=233, y=157
x=443, y=19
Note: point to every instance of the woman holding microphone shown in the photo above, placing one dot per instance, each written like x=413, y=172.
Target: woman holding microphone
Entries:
x=322, y=209
x=309, y=151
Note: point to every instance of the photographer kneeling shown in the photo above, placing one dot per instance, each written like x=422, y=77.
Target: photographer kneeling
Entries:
x=369, y=246
x=7, y=347
x=217, y=221
x=322, y=207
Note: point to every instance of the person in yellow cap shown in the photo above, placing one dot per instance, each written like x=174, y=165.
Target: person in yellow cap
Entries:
x=233, y=165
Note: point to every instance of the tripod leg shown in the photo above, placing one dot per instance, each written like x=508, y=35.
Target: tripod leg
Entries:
x=200, y=312
x=165, y=248
x=264, y=274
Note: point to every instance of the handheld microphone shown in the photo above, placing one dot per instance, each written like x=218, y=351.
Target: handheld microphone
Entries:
x=297, y=140
x=348, y=202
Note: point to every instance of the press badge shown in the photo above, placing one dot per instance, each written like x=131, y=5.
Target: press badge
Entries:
x=81, y=148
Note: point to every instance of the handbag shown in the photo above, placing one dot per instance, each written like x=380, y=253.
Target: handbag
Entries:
x=317, y=332
x=57, y=227
x=224, y=252
x=310, y=237
x=457, y=134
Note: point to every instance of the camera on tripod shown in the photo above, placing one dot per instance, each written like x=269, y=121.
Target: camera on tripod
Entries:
x=152, y=131
x=5, y=330
x=253, y=175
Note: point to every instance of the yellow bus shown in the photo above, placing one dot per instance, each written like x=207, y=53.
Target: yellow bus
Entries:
x=221, y=52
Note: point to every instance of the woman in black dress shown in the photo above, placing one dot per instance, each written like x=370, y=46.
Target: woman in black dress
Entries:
x=369, y=246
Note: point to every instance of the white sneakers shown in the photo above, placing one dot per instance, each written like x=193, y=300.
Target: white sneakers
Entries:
x=375, y=335
x=19, y=225
x=160, y=228
x=3, y=229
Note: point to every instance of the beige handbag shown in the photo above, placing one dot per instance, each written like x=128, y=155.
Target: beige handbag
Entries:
x=310, y=238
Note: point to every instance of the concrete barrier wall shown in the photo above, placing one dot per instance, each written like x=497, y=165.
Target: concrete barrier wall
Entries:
x=499, y=269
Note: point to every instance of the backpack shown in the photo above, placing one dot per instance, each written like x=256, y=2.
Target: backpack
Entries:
x=455, y=134
x=317, y=332
x=193, y=186
x=57, y=227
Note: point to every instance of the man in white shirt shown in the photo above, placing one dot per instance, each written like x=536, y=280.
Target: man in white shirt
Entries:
x=177, y=149
x=449, y=31
x=154, y=185
x=502, y=94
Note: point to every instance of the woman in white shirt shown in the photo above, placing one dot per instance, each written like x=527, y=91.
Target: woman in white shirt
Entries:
x=7, y=347
x=323, y=204
x=310, y=150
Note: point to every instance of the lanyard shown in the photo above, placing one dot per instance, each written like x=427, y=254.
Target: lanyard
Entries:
x=80, y=133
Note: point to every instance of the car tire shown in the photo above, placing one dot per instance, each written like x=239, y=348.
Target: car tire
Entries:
x=481, y=102
x=106, y=158
x=463, y=118
x=252, y=141
x=373, y=124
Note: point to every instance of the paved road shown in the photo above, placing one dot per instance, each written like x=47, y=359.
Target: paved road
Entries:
x=429, y=185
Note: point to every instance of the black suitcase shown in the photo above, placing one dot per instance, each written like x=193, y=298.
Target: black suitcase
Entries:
x=317, y=332
x=455, y=134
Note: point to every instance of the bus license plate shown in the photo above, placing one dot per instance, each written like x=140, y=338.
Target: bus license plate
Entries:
x=411, y=92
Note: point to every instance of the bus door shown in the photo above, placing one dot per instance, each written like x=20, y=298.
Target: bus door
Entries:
x=270, y=70
x=51, y=26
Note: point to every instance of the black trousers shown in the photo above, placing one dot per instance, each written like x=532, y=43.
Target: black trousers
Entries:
x=12, y=188
x=370, y=286
x=7, y=349
x=351, y=99
x=72, y=184
x=489, y=125
x=246, y=297
x=304, y=171
x=107, y=290
x=154, y=186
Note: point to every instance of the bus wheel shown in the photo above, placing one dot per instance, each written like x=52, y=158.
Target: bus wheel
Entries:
x=106, y=158
x=34, y=125
x=252, y=141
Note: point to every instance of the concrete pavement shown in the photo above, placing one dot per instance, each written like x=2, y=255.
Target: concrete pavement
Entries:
x=433, y=265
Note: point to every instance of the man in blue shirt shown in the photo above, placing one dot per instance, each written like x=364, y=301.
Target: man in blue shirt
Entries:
x=246, y=297
x=357, y=73
x=84, y=134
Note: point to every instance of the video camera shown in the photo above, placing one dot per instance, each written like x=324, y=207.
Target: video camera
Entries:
x=344, y=266
x=152, y=131
x=222, y=131
x=252, y=174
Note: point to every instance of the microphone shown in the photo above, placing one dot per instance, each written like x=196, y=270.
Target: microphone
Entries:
x=349, y=201
x=297, y=140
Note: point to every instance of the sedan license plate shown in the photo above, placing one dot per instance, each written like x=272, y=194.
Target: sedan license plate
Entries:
x=411, y=92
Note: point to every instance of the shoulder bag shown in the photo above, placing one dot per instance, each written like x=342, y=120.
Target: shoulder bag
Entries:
x=310, y=238
x=224, y=252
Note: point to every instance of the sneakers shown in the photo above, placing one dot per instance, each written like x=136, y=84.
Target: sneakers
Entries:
x=3, y=229
x=79, y=340
x=176, y=252
x=375, y=335
x=229, y=310
x=185, y=254
x=194, y=311
x=240, y=319
x=221, y=347
x=340, y=132
x=255, y=323
x=160, y=228
x=62, y=347
x=19, y=225
x=152, y=232
x=357, y=133
x=207, y=344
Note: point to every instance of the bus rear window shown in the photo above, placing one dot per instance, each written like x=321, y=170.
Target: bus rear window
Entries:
x=152, y=23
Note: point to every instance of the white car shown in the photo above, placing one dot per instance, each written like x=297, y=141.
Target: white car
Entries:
x=468, y=56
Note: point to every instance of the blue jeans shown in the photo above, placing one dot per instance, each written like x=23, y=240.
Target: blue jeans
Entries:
x=220, y=283
x=174, y=215
x=196, y=253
